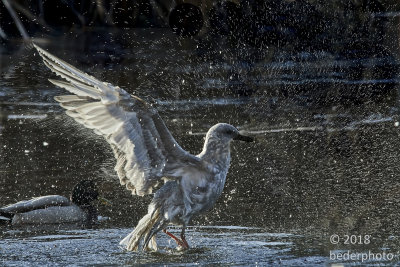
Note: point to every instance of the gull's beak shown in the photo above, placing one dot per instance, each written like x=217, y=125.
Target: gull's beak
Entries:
x=104, y=201
x=244, y=138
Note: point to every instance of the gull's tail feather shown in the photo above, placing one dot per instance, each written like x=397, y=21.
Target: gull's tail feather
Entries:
x=132, y=241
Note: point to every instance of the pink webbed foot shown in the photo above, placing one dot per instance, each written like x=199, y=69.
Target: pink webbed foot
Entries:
x=182, y=244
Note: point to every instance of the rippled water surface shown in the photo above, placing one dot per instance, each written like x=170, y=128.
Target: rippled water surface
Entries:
x=325, y=162
x=210, y=245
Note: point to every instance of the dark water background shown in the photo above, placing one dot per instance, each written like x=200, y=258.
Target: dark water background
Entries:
x=326, y=160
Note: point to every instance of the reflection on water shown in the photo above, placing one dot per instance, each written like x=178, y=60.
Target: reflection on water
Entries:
x=323, y=163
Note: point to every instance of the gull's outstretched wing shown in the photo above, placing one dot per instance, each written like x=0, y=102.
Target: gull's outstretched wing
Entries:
x=143, y=146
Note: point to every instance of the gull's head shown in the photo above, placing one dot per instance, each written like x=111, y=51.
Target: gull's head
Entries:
x=225, y=133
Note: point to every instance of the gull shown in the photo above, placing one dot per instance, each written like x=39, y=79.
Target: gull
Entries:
x=146, y=153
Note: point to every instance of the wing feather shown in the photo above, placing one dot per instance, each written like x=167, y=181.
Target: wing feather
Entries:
x=82, y=90
x=70, y=98
x=144, y=149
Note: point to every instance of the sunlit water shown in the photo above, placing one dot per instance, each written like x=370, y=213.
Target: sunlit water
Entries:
x=323, y=164
x=210, y=245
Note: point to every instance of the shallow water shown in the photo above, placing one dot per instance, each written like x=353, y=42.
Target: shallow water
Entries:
x=326, y=160
x=210, y=245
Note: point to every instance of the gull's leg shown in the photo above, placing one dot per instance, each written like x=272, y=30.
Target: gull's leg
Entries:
x=185, y=243
x=177, y=240
x=150, y=238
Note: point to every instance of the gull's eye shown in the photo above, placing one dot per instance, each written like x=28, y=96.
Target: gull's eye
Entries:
x=229, y=132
